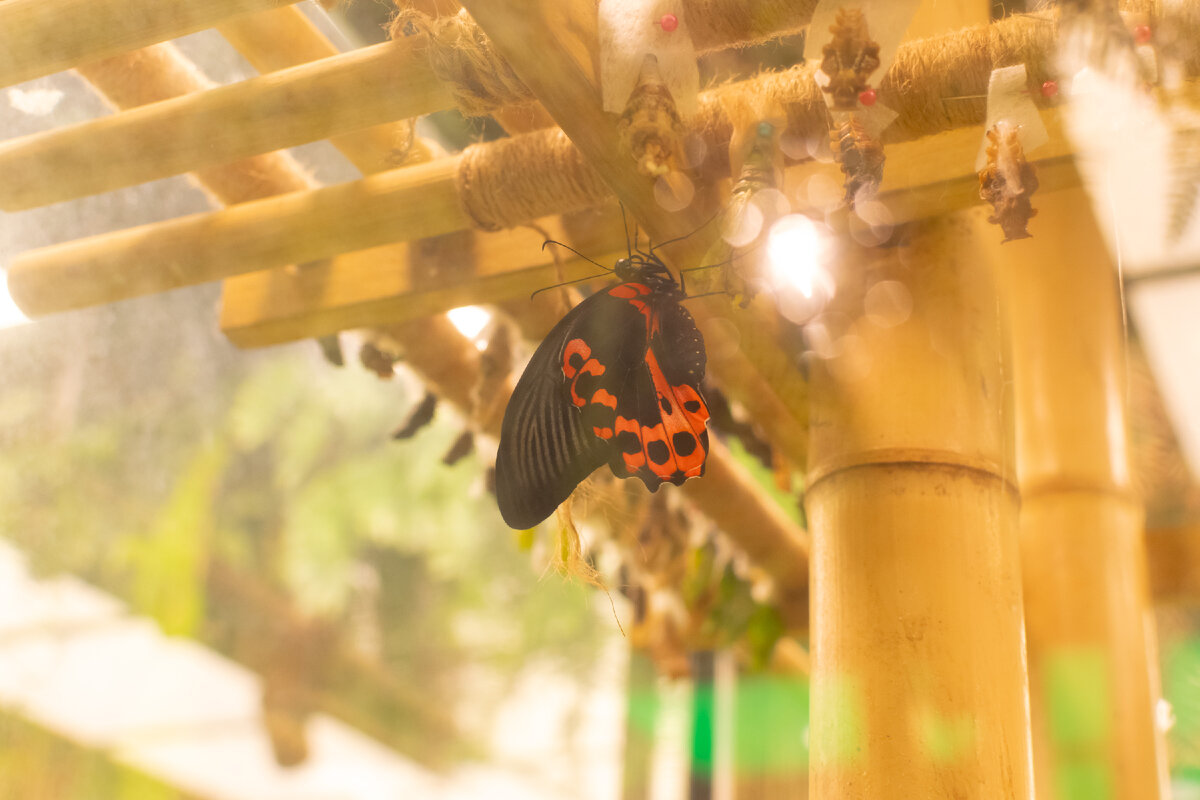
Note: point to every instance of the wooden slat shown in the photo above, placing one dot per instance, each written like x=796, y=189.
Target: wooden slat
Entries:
x=282, y=38
x=386, y=286
x=39, y=37
x=333, y=96
x=401, y=204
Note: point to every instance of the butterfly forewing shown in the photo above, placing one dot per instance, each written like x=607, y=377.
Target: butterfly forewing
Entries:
x=547, y=441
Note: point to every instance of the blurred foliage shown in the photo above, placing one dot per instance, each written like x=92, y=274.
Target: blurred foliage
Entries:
x=279, y=467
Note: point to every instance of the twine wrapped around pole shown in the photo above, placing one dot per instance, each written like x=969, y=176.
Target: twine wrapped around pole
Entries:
x=503, y=183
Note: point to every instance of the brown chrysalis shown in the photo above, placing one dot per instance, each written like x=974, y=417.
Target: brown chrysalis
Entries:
x=1008, y=182
x=849, y=58
x=861, y=158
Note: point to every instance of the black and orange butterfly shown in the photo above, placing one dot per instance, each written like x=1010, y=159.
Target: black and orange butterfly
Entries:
x=616, y=381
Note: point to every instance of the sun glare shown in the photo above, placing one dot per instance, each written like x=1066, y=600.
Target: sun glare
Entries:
x=10, y=315
x=794, y=250
x=469, y=320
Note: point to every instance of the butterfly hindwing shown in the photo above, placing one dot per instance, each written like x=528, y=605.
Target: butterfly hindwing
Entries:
x=663, y=421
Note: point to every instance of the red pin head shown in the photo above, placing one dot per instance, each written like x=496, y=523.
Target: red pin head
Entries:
x=867, y=97
x=1142, y=33
x=669, y=22
x=1049, y=88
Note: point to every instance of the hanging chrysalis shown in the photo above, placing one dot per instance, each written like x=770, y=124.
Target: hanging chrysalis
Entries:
x=1008, y=182
x=649, y=75
x=650, y=125
x=849, y=59
x=1013, y=129
x=861, y=158
x=754, y=203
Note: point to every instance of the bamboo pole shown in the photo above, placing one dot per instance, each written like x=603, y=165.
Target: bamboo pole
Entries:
x=313, y=101
x=1173, y=560
x=287, y=304
x=918, y=675
x=416, y=201
x=160, y=72
x=38, y=37
x=276, y=40
x=1093, y=675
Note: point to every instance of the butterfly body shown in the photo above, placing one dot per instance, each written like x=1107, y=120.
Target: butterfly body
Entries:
x=616, y=381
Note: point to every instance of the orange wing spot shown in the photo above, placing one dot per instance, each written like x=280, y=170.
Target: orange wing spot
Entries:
x=603, y=433
x=692, y=403
x=605, y=398
x=628, y=291
x=634, y=461
x=622, y=425
x=575, y=347
x=590, y=367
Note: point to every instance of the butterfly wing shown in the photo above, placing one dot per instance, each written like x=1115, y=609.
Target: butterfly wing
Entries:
x=552, y=436
x=661, y=422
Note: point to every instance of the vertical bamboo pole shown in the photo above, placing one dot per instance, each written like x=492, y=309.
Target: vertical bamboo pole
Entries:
x=918, y=670
x=1088, y=619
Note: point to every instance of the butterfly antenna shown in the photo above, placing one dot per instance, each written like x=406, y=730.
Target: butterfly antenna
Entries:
x=703, y=225
x=706, y=294
x=625, y=223
x=576, y=252
x=566, y=283
x=732, y=256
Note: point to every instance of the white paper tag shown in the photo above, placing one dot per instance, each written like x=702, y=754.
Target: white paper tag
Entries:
x=1008, y=100
x=631, y=29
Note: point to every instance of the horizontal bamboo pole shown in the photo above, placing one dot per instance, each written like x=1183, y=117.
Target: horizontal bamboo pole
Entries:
x=39, y=37
x=276, y=40
x=408, y=203
x=159, y=72
x=314, y=101
x=390, y=286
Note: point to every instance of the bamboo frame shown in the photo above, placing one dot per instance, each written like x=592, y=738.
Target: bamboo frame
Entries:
x=39, y=37
x=337, y=94
x=930, y=176
x=450, y=364
x=323, y=99
x=918, y=674
x=1086, y=597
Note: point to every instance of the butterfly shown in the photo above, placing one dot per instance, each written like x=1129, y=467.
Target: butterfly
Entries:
x=616, y=381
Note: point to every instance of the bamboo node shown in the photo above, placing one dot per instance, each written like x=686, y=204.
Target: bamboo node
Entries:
x=461, y=55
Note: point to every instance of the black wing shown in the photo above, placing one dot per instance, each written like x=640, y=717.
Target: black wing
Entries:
x=552, y=435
